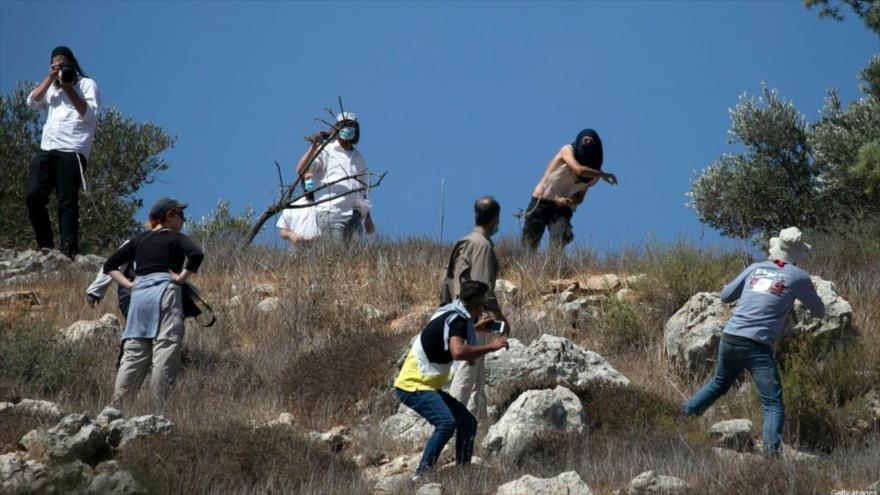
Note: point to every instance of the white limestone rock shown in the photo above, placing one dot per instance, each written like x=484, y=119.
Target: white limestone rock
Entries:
x=567, y=483
x=533, y=415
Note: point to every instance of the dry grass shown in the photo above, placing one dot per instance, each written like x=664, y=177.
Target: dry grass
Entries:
x=324, y=360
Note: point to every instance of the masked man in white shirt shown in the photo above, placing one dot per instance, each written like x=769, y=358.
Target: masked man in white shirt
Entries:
x=72, y=102
x=348, y=213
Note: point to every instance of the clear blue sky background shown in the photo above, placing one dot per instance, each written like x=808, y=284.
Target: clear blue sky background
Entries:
x=481, y=94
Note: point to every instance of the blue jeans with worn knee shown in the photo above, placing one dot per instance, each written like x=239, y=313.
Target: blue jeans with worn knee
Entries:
x=448, y=416
x=734, y=355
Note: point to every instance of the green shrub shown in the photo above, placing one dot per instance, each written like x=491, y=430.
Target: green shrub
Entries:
x=816, y=387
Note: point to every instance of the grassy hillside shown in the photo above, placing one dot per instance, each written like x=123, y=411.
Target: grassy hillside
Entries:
x=328, y=361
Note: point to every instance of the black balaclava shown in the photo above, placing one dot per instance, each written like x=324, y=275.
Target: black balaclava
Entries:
x=591, y=154
x=68, y=54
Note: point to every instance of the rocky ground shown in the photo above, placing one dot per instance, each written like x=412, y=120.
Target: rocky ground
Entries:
x=585, y=400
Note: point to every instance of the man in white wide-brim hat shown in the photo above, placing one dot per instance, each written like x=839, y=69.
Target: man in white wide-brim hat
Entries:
x=766, y=292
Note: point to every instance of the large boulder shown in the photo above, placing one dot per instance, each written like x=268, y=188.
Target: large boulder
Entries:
x=651, y=483
x=567, y=483
x=535, y=415
x=835, y=326
x=106, y=327
x=550, y=360
x=735, y=434
x=20, y=474
x=692, y=334
x=75, y=437
x=111, y=480
x=406, y=425
x=122, y=432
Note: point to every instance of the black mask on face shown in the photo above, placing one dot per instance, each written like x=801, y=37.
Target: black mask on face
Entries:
x=589, y=155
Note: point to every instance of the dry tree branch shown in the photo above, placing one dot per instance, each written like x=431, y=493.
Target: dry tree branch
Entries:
x=286, y=199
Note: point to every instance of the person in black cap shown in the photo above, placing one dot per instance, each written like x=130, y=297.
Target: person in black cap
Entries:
x=575, y=168
x=72, y=102
x=164, y=259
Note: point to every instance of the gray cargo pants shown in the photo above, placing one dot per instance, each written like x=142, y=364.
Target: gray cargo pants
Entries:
x=162, y=353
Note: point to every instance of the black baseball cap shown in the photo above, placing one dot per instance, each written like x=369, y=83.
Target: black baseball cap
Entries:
x=165, y=204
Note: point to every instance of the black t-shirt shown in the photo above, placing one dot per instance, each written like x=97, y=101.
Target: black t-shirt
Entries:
x=157, y=251
x=432, y=337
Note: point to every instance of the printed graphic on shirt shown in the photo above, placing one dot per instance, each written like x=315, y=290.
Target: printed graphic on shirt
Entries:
x=767, y=281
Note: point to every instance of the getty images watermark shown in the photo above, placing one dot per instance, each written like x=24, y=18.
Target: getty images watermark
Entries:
x=854, y=492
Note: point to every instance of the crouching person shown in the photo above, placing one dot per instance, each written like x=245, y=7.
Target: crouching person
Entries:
x=449, y=336
x=153, y=338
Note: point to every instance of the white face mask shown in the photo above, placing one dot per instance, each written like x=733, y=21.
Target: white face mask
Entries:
x=347, y=133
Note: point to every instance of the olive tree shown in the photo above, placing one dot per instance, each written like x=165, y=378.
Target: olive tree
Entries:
x=124, y=157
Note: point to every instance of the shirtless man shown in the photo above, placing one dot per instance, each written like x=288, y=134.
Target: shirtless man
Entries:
x=576, y=168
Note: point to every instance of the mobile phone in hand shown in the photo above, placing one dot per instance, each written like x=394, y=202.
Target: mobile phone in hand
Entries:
x=497, y=326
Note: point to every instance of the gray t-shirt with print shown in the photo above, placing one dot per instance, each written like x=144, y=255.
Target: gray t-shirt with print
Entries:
x=766, y=293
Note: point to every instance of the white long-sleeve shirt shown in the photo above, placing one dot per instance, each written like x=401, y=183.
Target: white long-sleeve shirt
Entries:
x=334, y=163
x=65, y=128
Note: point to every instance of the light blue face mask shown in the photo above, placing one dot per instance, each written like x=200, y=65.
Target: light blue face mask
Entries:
x=309, y=185
x=346, y=134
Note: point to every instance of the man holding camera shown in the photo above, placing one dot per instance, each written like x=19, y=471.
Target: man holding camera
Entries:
x=343, y=213
x=72, y=101
x=450, y=334
x=573, y=170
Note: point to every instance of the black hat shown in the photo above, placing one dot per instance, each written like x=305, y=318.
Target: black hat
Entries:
x=165, y=204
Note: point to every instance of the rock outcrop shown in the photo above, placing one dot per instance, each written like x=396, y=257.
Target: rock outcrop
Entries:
x=106, y=327
x=75, y=437
x=32, y=407
x=567, y=483
x=550, y=360
x=692, y=334
x=734, y=434
x=20, y=266
x=122, y=432
x=534, y=415
x=406, y=425
x=651, y=483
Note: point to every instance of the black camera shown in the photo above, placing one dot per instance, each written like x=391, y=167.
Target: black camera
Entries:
x=68, y=73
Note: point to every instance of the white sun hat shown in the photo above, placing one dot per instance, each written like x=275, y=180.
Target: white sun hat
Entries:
x=346, y=116
x=789, y=247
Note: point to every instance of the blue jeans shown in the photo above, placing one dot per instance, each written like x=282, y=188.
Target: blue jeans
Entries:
x=448, y=416
x=734, y=355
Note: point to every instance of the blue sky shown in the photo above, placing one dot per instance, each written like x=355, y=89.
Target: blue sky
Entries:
x=480, y=94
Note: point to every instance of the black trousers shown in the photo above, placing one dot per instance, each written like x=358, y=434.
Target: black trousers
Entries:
x=59, y=171
x=543, y=214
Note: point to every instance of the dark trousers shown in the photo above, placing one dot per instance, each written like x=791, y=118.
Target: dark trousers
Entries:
x=547, y=214
x=55, y=170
